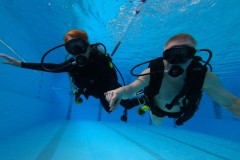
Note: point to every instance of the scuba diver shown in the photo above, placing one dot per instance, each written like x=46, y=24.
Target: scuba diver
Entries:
x=90, y=69
x=173, y=84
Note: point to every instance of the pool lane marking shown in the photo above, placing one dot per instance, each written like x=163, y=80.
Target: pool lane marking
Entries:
x=49, y=150
x=174, y=139
x=141, y=146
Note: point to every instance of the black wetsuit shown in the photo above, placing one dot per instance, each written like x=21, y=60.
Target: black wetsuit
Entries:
x=93, y=79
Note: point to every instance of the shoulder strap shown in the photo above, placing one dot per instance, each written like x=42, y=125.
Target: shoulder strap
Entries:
x=195, y=76
x=152, y=89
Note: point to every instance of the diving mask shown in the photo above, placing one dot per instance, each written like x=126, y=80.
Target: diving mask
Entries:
x=76, y=46
x=179, y=54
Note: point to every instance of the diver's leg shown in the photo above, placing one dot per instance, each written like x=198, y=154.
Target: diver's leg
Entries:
x=156, y=120
x=130, y=103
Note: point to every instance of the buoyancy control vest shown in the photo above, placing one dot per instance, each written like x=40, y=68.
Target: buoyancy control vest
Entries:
x=99, y=62
x=190, y=95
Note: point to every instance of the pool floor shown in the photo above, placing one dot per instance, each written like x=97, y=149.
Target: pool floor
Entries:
x=86, y=140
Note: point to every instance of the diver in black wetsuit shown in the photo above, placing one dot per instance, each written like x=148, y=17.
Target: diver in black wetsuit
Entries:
x=90, y=69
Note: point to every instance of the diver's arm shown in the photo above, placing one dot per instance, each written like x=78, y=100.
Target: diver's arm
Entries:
x=215, y=90
x=137, y=85
x=62, y=67
x=114, y=96
x=49, y=67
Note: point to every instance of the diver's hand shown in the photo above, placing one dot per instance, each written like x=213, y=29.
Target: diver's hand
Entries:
x=10, y=60
x=113, y=97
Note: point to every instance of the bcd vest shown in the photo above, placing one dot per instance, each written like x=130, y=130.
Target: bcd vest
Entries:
x=190, y=95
